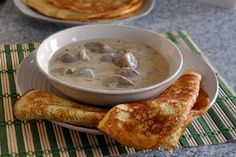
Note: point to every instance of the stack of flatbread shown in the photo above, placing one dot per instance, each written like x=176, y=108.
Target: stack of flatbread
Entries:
x=156, y=123
x=86, y=10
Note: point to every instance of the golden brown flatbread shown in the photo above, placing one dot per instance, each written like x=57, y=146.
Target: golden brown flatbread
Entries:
x=202, y=105
x=36, y=104
x=94, y=6
x=78, y=11
x=154, y=123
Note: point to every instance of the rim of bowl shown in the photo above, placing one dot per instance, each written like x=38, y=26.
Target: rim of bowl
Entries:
x=109, y=92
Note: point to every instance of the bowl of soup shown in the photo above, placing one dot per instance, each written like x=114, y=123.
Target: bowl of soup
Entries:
x=106, y=64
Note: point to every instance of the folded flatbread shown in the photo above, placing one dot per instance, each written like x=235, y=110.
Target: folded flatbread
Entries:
x=85, y=11
x=154, y=123
x=102, y=7
x=202, y=104
x=26, y=110
x=36, y=104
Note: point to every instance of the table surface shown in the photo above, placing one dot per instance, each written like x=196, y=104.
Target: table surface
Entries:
x=212, y=28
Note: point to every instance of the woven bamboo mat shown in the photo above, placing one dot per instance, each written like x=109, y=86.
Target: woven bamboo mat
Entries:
x=42, y=138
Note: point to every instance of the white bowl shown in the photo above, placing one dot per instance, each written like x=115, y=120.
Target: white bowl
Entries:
x=106, y=31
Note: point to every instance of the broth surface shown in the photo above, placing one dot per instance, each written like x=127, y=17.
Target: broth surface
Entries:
x=96, y=64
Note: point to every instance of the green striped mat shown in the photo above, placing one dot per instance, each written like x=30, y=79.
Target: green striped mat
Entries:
x=42, y=138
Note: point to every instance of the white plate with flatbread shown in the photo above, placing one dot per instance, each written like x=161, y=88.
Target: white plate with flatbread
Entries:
x=29, y=77
x=143, y=11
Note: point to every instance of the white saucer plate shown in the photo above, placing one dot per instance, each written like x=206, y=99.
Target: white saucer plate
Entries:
x=29, y=77
x=146, y=9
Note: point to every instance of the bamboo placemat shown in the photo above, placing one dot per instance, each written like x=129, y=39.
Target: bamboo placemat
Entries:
x=42, y=138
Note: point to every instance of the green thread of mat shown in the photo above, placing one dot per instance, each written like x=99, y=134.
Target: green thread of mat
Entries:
x=121, y=148
x=31, y=47
x=52, y=139
x=8, y=57
x=20, y=53
x=224, y=87
x=219, y=123
x=210, y=133
x=3, y=135
x=183, y=141
x=19, y=138
x=197, y=138
x=68, y=141
x=11, y=78
x=35, y=136
x=18, y=122
x=85, y=143
x=7, y=49
x=227, y=111
x=226, y=98
x=101, y=139
x=170, y=36
x=189, y=43
x=12, y=95
x=8, y=71
x=15, y=50
x=10, y=75
x=207, y=130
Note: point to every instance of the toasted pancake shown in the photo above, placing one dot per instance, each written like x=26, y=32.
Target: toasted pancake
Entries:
x=50, y=10
x=154, y=123
x=93, y=6
x=202, y=104
x=36, y=104
x=59, y=9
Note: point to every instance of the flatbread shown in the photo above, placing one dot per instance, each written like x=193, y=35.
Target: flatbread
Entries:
x=202, y=105
x=37, y=104
x=94, y=6
x=154, y=123
x=51, y=9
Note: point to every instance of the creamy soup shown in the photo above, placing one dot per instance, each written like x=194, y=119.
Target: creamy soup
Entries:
x=109, y=65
